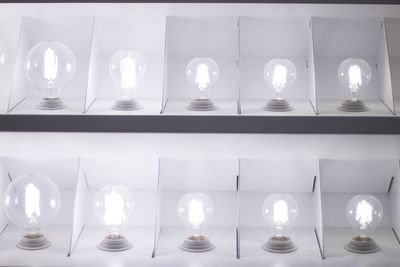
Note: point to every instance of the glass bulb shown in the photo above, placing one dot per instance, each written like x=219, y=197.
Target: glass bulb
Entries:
x=127, y=68
x=31, y=201
x=202, y=73
x=195, y=210
x=113, y=204
x=279, y=75
x=364, y=213
x=3, y=54
x=50, y=66
x=280, y=212
x=354, y=75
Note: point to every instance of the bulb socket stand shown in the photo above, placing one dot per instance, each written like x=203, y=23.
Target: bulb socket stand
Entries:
x=114, y=243
x=126, y=105
x=278, y=105
x=362, y=245
x=279, y=244
x=33, y=242
x=199, y=243
x=51, y=104
x=353, y=106
x=199, y=104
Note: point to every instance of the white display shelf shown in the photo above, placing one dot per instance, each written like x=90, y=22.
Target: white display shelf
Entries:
x=254, y=107
x=178, y=107
x=28, y=106
x=103, y=107
x=376, y=109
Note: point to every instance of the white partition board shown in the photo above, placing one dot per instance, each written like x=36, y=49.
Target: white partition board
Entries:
x=9, y=33
x=187, y=38
x=145, y=35
x=334, y=41
x=76, y=33
x=264, y=39
x=393, y=43
x=394, y=198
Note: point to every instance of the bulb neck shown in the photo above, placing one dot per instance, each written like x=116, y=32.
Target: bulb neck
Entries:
x=202, y=92
x=52, y=93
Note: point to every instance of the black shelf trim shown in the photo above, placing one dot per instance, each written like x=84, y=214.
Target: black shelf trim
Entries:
x=374, y=2
x=200, y=124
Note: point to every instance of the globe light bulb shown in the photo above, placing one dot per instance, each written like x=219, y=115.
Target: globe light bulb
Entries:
x=3, y=54
x=50, y=66
x=279, y=75
x=113, y=204
x=280, y=212
x=364, y=213
x=31, y=202
x=195, y=210
x=127, y=68
x=354, y=75
x=202, y=73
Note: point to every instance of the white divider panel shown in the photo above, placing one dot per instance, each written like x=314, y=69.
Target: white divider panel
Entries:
x=336, y=39
x=319, y=224
x=190, y=37
x=264, y=39
x=9, y=33
x=394, y=197
x=76, y=33
x=311, y=66
x=393, y=41
x=144, y=34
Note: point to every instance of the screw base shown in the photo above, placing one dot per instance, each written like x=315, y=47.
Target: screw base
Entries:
x=114, y=243
x=50, y=104
x=353, y=106
x=362, y=245
x=277, y=105
x=201, y=105
x=33, y=242
x=197, y=244
x=125, y=105
x=279, y=244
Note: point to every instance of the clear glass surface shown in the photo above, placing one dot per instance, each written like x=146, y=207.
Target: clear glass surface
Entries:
x=364, y=213
x=195, y=210
x=202, y=73
x=354, y=75
x=279, y=75
x=113, y=205
x=31, y=201
x=127, y=68
x=50, y=66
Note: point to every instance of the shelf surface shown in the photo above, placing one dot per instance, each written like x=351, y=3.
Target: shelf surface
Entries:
x=215, y=1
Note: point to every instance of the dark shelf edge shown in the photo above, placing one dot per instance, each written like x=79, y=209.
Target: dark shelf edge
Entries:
x=200, y=124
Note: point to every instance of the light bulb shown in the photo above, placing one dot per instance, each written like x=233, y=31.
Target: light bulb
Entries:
x=127, y=68
x=3, y=54
x=279, y=75
x=113, y=205
x=202, y=73
x=364, y=213
x=195, y=210
x=50, y=66
x=354, y=75
x=30, y=202
x=280, y=212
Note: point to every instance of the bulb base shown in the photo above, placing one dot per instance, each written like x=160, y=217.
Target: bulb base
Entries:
x=279, y=244
x=353, y=106
x=199, y=243
x=114, y=243
x=200, y=104
x=277, y=105
x=33, y=242
x=125, y=105
x=362, y=245
x=50, y=104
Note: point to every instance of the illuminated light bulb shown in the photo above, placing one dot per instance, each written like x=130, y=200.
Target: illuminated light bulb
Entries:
x=127, y=68
x=364, y=213
x=3, y=55
x=280, y=212
x=50, y=66
x=354, y=75
x=202, y=73
x=195, y=210
x=279, y=75
x=113, y=205
x=31, y=202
